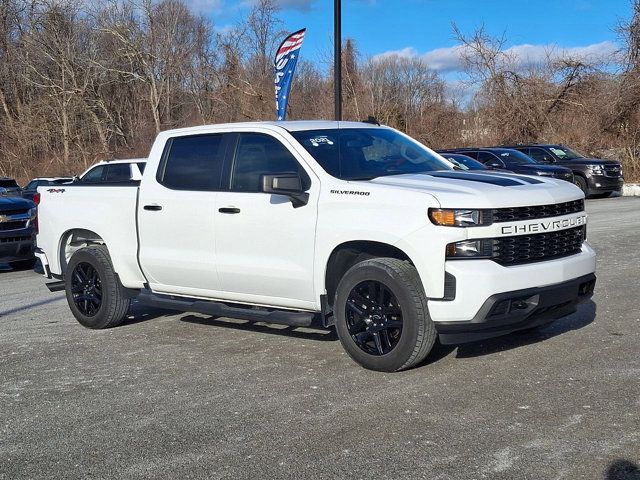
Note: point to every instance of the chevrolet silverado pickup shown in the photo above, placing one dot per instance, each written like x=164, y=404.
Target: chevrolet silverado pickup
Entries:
x=318, y=223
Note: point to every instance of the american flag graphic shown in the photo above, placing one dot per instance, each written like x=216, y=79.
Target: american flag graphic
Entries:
x=291, y=43
x=284, y=66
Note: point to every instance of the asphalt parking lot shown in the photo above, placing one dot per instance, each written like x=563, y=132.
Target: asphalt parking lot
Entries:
x=187, y=396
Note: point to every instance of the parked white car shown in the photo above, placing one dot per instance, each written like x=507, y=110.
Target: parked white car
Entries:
x=114, y=171
x=330, y=223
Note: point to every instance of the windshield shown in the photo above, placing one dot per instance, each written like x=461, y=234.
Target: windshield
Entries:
x=564, y=153
x=8, y=184
x=463, y=162
x=366, y=153
x=514, y=157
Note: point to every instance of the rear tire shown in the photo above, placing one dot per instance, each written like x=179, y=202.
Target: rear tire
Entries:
x=94, y=293
x=381, y=315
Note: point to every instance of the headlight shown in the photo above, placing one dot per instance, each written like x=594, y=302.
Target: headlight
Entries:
x=596, y=169
x=482, y=248
x=459, y=217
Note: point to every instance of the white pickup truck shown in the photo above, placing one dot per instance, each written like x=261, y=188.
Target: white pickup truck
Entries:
x=321, y=223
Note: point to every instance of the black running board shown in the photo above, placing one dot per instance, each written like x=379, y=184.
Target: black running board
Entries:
x=55, y=286
x=219, y=309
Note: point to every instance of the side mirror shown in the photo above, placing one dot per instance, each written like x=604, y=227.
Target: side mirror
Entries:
x=288, y=184
x=75, y=179
x=548, y=159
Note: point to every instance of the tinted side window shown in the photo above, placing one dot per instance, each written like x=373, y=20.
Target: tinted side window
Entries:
x=118, y=172
x=33, y=184
x=94, y=176
x=538, y=154
x=485, y=157
x=194, y=163
x=471, y=154
x=141, y=166
x=258, y=155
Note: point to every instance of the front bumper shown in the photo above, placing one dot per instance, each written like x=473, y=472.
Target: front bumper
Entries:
x=16, y=245
x=508, y=312
x=602, y=184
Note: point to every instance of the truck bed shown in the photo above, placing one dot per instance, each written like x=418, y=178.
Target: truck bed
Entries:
x=104, y=211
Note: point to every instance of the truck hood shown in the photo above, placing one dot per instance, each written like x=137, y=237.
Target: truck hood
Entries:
x=13, y=203
x=483, y=190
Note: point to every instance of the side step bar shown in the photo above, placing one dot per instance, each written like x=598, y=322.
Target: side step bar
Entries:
x=55, y=286
x=218, y=309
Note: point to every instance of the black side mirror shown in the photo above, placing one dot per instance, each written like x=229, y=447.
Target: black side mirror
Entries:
x=548, y=159
x=288, y=184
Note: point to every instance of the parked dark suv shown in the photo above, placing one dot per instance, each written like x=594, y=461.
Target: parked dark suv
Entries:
x=596, y=177
x=17, y=233
x=514, y=161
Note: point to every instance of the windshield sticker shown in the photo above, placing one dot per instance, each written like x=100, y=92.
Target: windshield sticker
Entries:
x=321, y=140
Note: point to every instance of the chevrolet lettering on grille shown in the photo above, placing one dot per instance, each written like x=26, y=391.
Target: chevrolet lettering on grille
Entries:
x=544, y=226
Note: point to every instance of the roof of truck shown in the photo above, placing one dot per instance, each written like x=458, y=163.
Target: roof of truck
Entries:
x=292, y=126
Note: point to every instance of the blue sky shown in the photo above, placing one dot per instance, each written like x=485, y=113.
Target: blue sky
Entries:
x=423, y=27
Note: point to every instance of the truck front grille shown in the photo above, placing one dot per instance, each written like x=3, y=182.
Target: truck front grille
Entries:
x=516, y=214
x=521, y=249
x=612, y=170
x=15, y=239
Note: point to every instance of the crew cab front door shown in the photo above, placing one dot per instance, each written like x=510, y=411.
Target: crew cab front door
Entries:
x=176, y=215
x=265, y=246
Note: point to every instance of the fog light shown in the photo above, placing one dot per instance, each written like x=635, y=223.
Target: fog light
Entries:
x=482, y=248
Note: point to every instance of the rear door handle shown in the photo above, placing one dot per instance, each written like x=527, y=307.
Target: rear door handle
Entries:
x=229, y=210
x=153, y=208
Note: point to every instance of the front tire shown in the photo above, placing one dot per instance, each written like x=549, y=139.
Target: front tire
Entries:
x=27, y=264
x=381, y=314
x=581, y=183
x=94, y=293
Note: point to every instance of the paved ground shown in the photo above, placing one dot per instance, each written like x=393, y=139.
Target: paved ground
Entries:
x=185, y=396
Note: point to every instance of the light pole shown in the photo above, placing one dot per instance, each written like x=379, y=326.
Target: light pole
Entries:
x=337, y=59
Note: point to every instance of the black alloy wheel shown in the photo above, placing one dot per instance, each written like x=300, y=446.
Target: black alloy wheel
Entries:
x=374, y=317
x=86, y=289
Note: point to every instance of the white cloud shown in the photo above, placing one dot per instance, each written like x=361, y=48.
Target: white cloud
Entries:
x=205, y=6
x=449, y=59
x=301, y=5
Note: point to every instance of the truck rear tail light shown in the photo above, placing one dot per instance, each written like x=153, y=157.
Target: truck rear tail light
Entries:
x=36, y=198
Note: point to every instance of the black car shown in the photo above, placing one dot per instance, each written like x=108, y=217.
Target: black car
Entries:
x=595, y=176
x=515, y=161
x=17, y=232
x=32, y=186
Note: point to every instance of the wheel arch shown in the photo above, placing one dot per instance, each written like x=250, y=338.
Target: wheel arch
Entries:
x=74, y=239
x=347, y=254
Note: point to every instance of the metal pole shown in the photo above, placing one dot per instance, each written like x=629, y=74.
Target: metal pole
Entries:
x=337, y=58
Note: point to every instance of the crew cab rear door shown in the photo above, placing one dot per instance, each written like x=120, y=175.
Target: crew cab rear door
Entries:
x=176, y=216
x=265, y=245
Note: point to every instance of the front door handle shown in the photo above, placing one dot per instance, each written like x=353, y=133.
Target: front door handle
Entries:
x=153, y=208
x=229, y=210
